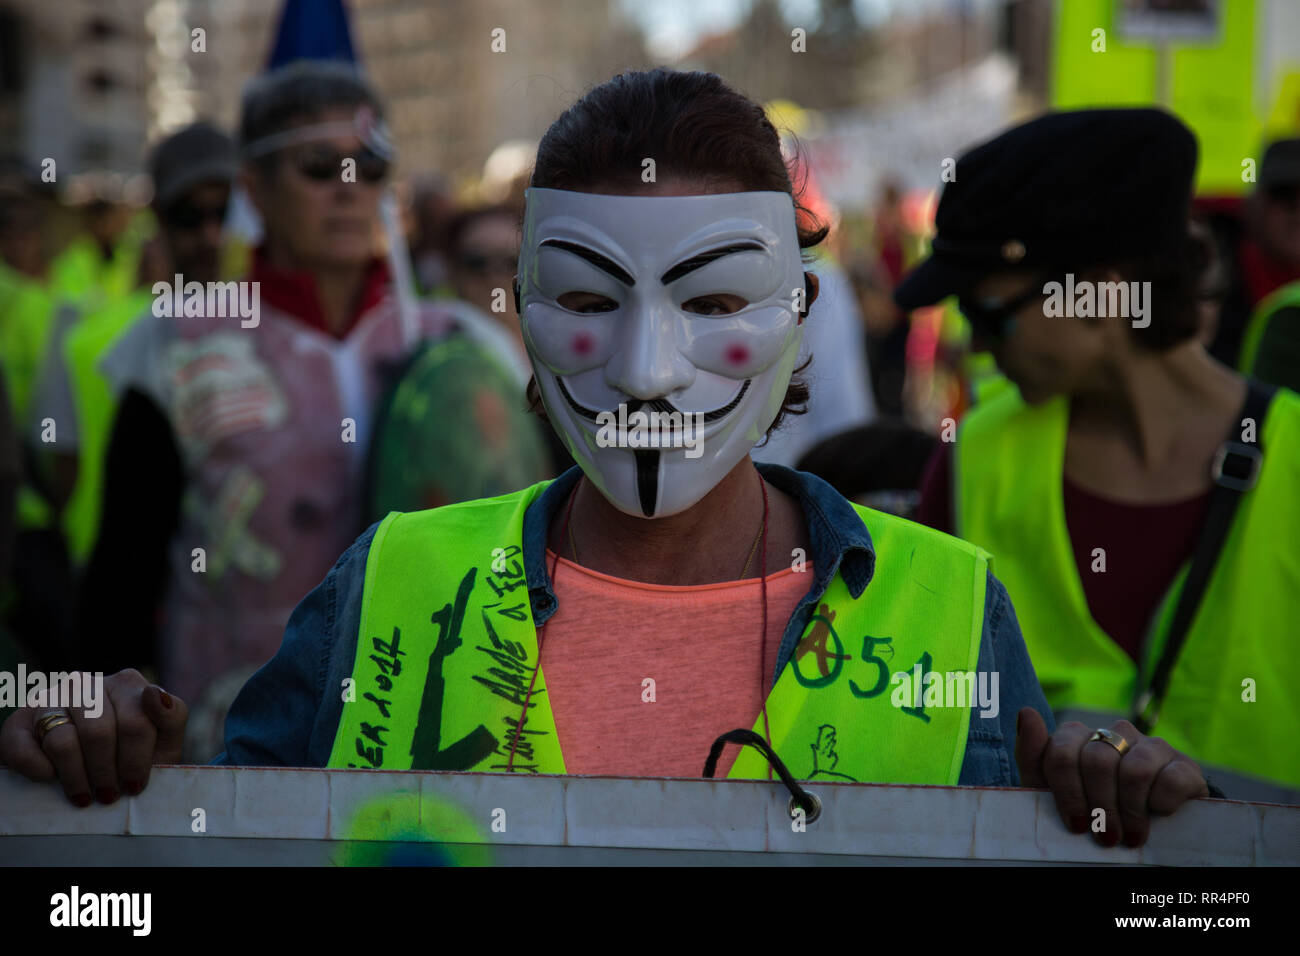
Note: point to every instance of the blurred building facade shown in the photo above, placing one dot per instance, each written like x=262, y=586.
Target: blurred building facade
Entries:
x=92, y=82
x=845, y=63
x=453, y=99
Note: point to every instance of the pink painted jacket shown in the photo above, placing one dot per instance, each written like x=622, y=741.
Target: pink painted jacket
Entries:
x=272, y=423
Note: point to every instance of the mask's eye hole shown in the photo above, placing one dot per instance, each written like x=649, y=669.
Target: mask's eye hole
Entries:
x=720, y=304
x=587, y=302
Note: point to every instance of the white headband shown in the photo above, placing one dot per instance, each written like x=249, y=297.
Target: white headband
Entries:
x=372, y=131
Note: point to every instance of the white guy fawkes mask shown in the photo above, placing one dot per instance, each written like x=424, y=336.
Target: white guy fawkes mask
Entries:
x=726, y=373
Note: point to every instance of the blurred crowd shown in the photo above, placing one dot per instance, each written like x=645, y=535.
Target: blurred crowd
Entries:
x=169, y=491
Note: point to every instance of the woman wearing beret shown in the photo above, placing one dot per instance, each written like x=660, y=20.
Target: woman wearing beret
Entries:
x=623, y=618
x=1138, y=497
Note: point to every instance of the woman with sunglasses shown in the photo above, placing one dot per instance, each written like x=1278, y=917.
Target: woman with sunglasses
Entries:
x=631, y=616
x=253, y=425
x=1138, y=497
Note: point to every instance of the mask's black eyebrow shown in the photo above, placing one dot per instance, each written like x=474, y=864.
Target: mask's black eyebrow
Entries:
x=602, y=263
x=703, y=259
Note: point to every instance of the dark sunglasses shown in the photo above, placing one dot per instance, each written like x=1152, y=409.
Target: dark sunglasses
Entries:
x=320, y=165
x=993, y=317
x=481, y=263
x=187, y=215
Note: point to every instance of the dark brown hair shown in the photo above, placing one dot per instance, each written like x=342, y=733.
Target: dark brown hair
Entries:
x=1176, y=277
x=693, y=126
x=1176, y=274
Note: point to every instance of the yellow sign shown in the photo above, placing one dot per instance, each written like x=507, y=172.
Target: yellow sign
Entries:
x=1206, y=78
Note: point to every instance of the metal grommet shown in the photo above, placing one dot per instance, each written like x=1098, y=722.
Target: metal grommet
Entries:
x=812, y=816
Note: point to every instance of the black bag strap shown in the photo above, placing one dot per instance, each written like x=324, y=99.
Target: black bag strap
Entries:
x=1234, y=472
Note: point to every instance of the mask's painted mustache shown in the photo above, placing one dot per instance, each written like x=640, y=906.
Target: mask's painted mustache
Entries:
x=653, y=405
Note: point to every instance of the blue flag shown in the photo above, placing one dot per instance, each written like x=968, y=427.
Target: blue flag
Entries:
x=312, y=30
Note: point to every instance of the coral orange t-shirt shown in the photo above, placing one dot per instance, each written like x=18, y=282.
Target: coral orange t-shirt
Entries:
x=700, y=646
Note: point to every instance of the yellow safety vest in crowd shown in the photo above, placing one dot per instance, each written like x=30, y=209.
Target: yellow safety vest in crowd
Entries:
x=26, y=316
x=95, y=405
x=447, y=650
x=1232, y=699
x=26, y=311
x=1270, y=348
x=80, y=272
x=82, y=275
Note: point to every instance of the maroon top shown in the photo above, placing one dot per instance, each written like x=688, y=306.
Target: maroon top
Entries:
x=1145, y=546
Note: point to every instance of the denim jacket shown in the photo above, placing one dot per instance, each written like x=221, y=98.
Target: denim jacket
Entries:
x=289, y=711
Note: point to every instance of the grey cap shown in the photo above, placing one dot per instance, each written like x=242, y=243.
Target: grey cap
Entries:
x=195, y=154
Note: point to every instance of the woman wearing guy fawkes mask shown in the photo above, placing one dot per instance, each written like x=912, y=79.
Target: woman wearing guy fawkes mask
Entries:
x=672, y=594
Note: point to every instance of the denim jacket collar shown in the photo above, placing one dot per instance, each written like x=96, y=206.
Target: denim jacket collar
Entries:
x=839, y=539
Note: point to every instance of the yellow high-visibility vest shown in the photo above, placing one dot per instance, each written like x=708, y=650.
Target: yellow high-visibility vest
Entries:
x=1231, y=700
x=447, y=649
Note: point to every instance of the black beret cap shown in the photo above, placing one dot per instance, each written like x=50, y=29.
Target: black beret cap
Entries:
x=1069, y=189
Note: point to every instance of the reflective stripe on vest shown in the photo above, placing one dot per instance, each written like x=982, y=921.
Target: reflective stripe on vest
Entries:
x=1231, y=699
x=447, y=648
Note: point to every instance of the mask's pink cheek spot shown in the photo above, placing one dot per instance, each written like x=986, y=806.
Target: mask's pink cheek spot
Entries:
x=737, y=354
x=583, y=344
